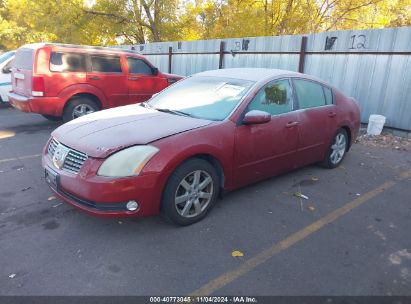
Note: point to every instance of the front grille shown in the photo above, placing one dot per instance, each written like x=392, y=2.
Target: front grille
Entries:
x=74, y=159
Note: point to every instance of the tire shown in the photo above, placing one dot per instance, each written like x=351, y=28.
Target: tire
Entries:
x=194, y=203
x=51, y=118
x=79, y=107
x=337, y=150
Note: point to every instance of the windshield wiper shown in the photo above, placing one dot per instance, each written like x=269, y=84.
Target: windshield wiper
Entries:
x=173, y=112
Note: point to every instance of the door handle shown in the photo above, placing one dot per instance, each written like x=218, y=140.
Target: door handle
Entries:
x=94, y=78
x=292, y=124
x=332, y=114
x=133, y=78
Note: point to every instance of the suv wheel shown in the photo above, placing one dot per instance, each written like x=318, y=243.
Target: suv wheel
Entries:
x=79, y=107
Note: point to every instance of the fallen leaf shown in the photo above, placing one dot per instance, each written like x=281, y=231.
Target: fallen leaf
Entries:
x=311, y=208
x=300, y=195
x=237, y=253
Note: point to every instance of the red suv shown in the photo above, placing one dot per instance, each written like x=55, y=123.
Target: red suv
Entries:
x=68, y=81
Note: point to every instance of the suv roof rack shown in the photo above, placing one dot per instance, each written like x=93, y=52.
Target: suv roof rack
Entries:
x=90, y=47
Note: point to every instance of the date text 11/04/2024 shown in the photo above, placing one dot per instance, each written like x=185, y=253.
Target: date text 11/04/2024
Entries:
x=201, y=299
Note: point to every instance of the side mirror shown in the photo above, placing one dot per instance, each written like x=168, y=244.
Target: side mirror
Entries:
x=256, y=117
x=6, y=70
x=155, y=71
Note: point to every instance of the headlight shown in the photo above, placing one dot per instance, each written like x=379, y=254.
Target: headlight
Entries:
x=127, y=162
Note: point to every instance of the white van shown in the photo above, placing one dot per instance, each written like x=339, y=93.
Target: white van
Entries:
x=6, y=59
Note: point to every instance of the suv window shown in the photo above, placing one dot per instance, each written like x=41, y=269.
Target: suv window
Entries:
x=105, y=64
x=67, y=62
x=310, y=94
x=138, y=66
x=24, y=59
x=274, y=98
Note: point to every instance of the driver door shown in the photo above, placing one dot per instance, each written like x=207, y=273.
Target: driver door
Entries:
x=267, y=149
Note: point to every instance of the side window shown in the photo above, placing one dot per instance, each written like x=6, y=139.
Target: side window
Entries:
x=67, y=62
x=274, y=98
x=138, y=66
x=328, y=95
x=105, y=64
x=310, y=94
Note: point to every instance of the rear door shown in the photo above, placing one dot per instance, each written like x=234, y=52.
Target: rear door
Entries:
x=22, y=71
x=105, y=73
x=317, y=116
x=142, y=80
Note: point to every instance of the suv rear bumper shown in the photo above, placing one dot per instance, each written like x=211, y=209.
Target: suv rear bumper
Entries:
x=41, y=105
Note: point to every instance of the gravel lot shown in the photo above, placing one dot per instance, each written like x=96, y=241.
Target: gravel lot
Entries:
x=351, y=237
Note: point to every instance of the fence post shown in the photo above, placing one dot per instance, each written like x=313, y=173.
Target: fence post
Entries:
x=221, y=61
x=170, y=55
x=302, y=54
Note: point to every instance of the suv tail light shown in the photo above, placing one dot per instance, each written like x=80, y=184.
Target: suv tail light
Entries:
x=38, y=86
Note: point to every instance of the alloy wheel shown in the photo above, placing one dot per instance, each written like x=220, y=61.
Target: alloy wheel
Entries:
x=81, y=110
x=338, y=148
x=194, y=193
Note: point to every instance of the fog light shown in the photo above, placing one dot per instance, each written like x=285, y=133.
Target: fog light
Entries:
x=132, y=206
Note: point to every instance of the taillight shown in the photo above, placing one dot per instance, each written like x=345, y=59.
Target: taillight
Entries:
x=38, y=86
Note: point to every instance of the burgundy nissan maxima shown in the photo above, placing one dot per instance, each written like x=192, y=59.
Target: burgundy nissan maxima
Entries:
x=212, y=132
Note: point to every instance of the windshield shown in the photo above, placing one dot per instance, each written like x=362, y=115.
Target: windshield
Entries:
x=211, y=98
x=5, y=56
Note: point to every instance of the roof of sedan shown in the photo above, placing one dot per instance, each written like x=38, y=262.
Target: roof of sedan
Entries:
x=253, y=74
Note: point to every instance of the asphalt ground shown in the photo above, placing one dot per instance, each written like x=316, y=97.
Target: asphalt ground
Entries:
x=351, y=237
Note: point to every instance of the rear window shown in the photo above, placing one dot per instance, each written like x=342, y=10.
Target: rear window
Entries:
x=310, y=94
x=67, y=62
x=328, y=95
x=105, y=64
x=24, y=59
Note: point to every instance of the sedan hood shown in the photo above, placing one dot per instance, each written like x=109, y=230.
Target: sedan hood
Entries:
x=102, y=133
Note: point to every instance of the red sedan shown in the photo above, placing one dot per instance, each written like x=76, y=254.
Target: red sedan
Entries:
x=209, y=133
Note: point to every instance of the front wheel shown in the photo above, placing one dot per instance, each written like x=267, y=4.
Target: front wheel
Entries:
x=191, y=192
x=337, y=149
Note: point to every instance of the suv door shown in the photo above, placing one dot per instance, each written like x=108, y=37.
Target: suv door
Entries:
x=317, y=118
x=105, y=72
x=264, y=150
x=142, y=79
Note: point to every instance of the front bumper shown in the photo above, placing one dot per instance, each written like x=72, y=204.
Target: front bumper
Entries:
x=41, y=105
x=107, y=197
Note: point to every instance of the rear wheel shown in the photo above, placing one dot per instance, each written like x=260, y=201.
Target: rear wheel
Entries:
x=191, y=192
x=79, y=107
x=51, y=117
x=337, y=150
